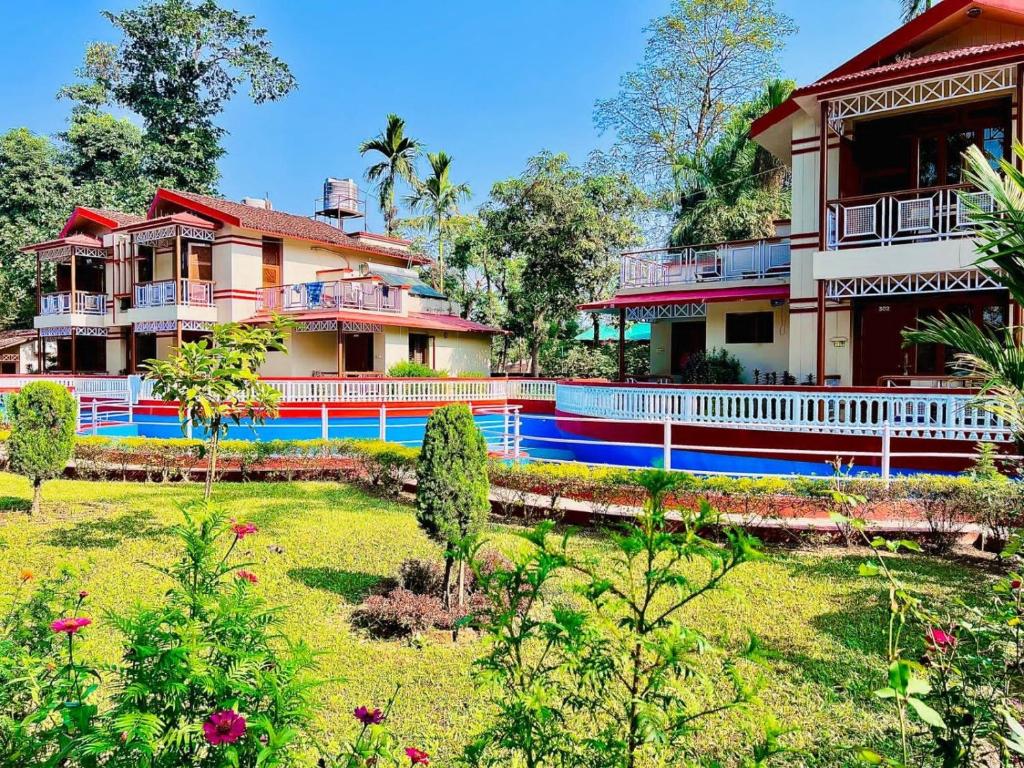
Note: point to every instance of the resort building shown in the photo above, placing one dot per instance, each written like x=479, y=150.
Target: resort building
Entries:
x=880, y=233
x=130, y=288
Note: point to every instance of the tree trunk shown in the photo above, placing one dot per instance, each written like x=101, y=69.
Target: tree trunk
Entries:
x=211, y=466
x=462, y=583
x=535, y=359
x=37, y=496
x=446, y=585
x=440, y=254
x=597, y=330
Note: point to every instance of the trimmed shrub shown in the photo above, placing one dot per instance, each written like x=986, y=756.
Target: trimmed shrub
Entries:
x=43, y=418
x=407, y=369
x=452, y=488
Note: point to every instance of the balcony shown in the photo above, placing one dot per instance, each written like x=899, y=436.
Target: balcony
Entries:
x=73, y=303
x=335, y=294
x=914, y=216
x=720, y=262
x=170, y=293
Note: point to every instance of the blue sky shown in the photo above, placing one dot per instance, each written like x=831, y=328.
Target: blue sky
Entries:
x=491, y=83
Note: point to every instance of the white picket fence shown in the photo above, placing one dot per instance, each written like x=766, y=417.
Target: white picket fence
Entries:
x=908, y=414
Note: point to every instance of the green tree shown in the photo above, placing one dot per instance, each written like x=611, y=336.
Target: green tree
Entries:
x=398, y=154
x=34, y=193
x=911, y=9
x=104, y=157
x=178, y=64
x=702, y=59
x=558, y=229
x=43, y=418
x=216, y=381
x=452, y=490
x=437, y=199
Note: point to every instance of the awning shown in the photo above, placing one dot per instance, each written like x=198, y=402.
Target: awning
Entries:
x=636, y=332
x=412, y=320
x=662, y=298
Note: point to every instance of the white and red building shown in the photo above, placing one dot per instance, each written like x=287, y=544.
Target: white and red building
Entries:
x=130, y=288
x=880, y=234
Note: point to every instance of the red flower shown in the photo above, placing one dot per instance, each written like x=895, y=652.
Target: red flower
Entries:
x=244, y=529
x=1015, y=584
x=939, y=640
x=82, y=595
x=70, y=626
x=224, y=727
x=368, y=716
x=249, y=576
x=417, y=756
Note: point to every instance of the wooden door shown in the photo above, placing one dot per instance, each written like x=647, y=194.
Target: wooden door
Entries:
x=271, y=263
x=687, y=338
x=878, y=341
x=200, y=262
x=358, y=352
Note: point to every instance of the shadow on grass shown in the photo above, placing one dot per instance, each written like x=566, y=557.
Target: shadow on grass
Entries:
x=107, y=533
x=353, y=586
x=14, y=504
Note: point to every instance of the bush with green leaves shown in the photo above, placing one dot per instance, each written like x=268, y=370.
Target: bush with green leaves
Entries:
x=452, y=489
x=715, y=366
x=43, y=418
x=407, y=369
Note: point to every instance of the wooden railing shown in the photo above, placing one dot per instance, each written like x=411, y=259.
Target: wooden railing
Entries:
x=169, y=293
x=937, y=213
x=330, y=294
x=741, y=260
x=79, y=303
x=908, y=414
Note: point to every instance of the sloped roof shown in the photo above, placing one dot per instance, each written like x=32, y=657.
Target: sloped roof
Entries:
x=416, y=286
x=278, y=223
x=105, y=217
x=424, y=320
x=15, y=338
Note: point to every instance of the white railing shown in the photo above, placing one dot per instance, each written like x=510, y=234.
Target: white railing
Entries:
x=904, y=217
x=925, y=415
x=84, y=303
x=747, y=260
x=168, y=293
x=531, y=389
x=330, y=294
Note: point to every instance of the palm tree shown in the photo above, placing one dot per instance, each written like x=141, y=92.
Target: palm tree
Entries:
x=996, y=357
x=437, y=198
x=914, y=8
x=398, y=158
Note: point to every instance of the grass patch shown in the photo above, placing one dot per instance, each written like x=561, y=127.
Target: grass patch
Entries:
x=322, y=547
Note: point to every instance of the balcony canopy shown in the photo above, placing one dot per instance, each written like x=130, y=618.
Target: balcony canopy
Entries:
x=663, y=298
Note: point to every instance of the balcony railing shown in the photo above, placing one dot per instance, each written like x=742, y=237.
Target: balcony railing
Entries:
x=746, y=260
x=78, y=303
x=335, y=294
x=919, y=215
x=169, y=293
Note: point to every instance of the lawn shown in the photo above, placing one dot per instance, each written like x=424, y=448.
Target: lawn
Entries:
x=322, y=546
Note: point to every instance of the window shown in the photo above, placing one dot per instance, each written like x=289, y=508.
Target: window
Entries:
x=200, y=262
x=995, y=146
x=145, y=263
x=750, y=328
x=419, y=348
x=271, y=262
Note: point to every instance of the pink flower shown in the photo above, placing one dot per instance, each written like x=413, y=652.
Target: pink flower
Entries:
x=224, y=727
x=82, y=595
x=368, y=716
x=417, y=756
x=939, y=640
x=249, y=576
x=70, y=626
x=244, y=529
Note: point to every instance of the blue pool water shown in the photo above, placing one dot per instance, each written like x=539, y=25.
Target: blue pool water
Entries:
x=541, y=438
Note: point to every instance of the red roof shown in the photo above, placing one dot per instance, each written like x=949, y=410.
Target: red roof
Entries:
x=105, y=217
x=188, y=219
x=85, y=240
x=412, y=320
x=276, y=223
x=659, y=298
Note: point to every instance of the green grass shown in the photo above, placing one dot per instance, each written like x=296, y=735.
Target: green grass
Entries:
x=822, y=622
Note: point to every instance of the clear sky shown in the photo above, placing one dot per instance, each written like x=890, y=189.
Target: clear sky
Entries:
x=489, y=82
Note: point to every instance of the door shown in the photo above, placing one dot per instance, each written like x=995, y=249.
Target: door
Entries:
x=358, y=352
x=878, y=343
x=200, y=262
x=271, y=263
x=687, y=338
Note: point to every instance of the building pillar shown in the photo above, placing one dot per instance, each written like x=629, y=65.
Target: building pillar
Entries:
x=341, y=349
x=39, y=285
x=74, y=348
x=1019, y=120
x=132, y=369
x=820, y=367
x=177, y=331
x=622, y=343
x=178, y=298
x=823, y=179
x=40, y=352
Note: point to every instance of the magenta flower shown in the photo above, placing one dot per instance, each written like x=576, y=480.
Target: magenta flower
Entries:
x=70, y=626
x=939, y=639
x=417, y=756
x=225, y=727
x=368, y=716
x=244, y=529
x=249, y=576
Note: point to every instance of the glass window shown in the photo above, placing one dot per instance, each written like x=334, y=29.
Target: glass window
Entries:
x=750, y=328
x=956, y=144
x=994, y=318
x=994, y=144
x=928, y=162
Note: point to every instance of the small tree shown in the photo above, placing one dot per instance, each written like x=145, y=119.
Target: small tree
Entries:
x=216, y=382
x=452, y=487
x=43, y=417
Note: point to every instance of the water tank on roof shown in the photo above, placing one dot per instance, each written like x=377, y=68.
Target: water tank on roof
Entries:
x=341, y=198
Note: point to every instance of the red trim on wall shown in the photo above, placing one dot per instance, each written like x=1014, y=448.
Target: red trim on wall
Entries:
x=251, y=242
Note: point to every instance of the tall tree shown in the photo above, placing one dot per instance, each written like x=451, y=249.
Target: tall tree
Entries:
x=701, y=60
x=34, y=192
x=911, y=9
x=437, y=199
x=398, y=154
x=178, y=64
x=559, y=229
